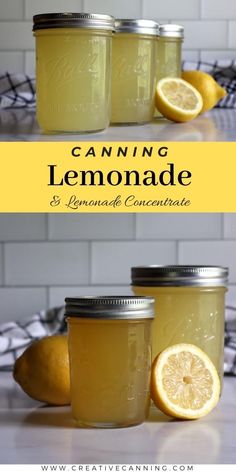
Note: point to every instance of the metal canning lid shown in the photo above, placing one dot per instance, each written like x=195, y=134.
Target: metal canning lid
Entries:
x=148, y=27
x=171, y=31
x=179, y=276
x=73, y=20
x=110, y=307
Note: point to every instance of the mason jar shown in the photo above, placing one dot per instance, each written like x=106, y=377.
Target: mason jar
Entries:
x=169, y=52
x=110, y=359
x=133, y=71
x=189, y=306
x=73, y=71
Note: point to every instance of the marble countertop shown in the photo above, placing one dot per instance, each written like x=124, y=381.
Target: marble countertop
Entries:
x=33, y=433
x=216, y=125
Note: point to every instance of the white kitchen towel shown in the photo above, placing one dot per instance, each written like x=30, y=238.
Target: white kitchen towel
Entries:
x=15, y=336
x=18, y=90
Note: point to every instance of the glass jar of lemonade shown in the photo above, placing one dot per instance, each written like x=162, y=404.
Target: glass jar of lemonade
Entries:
x=110, y=359
x=189, y=306
x=169, y=52
x=133, y=71
x=73, y=71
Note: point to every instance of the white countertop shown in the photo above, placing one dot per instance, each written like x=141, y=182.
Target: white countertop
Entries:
x=33, y=433
x=216, y=125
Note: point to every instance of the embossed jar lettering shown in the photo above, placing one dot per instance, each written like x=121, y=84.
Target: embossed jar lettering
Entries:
x=73, y=71
x=133, y=71
x=110, y=359
x=189, y=306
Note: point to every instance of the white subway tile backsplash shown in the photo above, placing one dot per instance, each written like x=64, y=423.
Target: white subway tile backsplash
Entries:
x=210, y=252
x=213, y=36
x=111, y=262
x=212, y=9
x=214, y=55
x=30, y=63
x=230, y=225
x=12, y=61
x=178, y=226
x=57, y=295
x=46, y=263
x=91, y=226
x=189, y=55
x=119, y=9
x=11, y=9
x=186, y=9
x=231, y=295
x=232, y=34
x=16, y=35
x=205, y=34
x=19, y=303
x=22, y=226
x=34, y=7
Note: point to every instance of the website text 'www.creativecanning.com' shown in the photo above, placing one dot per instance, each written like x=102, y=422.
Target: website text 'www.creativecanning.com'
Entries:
x=118, y=468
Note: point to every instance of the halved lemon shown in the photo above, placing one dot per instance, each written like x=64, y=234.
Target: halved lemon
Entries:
x=184, y=382
x=177, y=100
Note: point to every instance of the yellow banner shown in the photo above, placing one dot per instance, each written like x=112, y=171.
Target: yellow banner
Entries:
x=117, y=177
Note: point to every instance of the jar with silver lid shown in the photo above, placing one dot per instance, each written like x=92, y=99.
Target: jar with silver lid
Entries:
x=133, y=70
x=189, y=306
x=169, y=52
x=73, y=71
x=110, y=359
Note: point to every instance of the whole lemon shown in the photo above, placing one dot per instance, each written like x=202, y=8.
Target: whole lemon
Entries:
x=42, y=370
x=209, y=89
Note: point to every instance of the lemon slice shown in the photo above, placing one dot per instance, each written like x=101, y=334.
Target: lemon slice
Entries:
x=184, y=382
x=177, y=100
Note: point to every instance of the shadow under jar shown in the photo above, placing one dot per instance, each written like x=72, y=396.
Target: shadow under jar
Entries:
x=133, y=71
x=73, y=71
x=110, y=359
x=189, y=306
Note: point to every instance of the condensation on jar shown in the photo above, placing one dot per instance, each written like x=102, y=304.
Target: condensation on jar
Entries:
x=169, y=52
x=189, y=306
x=134, y=71
x=110, y=359
x=73, y=71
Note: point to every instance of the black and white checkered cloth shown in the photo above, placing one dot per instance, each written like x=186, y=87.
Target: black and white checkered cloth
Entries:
x=15, y=336
x=18, y=90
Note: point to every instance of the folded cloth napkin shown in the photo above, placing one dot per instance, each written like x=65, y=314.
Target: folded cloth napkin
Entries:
x=15, y=336
x=18, y=90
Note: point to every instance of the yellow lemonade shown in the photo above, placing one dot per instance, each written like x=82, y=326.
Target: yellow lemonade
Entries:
x=133, y=72
x=169, y=52
x=110, y=361
x=73, y=77
x=188, y=314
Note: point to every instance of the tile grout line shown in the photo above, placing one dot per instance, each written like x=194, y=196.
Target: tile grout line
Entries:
x=200, y=12
x=24, y=9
